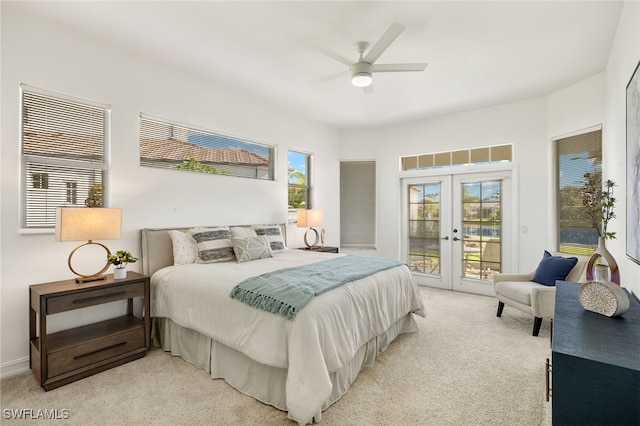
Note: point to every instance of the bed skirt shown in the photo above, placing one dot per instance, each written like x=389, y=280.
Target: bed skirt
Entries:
x=265, y=383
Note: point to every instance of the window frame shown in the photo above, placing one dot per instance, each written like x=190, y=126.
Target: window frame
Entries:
x=562, y=245
x=307, y=186
x=51, y=167
x=199, y=159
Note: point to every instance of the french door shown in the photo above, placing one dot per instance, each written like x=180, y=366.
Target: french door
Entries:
x=457, y=229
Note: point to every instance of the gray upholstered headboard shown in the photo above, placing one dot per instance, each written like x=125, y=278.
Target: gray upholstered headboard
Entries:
x=157, y=249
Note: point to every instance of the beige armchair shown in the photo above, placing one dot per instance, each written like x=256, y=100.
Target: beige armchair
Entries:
x=518, y=291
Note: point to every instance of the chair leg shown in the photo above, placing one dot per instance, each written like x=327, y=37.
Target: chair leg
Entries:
x=537, y=322
x=500, y=308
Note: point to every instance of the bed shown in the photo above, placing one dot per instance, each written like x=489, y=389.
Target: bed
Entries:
x=300, y=365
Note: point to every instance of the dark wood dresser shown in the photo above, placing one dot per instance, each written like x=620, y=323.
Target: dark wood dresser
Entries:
x=595, y=363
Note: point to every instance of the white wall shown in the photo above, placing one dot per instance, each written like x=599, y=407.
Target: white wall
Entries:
x=577, y=107
x=623, y=59
x=523, y=124
x=44, y=55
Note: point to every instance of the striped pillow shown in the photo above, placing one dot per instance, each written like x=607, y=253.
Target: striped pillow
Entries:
x=214, y=244
x=273, y=235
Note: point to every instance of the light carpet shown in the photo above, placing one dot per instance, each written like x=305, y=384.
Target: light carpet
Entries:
x=464, y=367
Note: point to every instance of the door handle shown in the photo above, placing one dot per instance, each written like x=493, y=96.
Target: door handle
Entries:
x=445, y=238
x=456, y=239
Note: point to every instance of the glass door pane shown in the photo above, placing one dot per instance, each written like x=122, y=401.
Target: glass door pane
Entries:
x=483, y=219
x=424, y=228
x=481, y=229
x=426, y=207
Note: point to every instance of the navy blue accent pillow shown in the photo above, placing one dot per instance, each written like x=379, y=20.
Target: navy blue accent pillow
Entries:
x=552, y=268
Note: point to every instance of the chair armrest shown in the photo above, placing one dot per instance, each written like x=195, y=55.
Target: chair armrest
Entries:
x=512, y=277
x=543, y=301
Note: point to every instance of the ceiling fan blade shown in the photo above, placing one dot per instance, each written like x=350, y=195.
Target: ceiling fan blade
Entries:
x=329, y=78
x=397, y=67
x=381, y=45
x=333, y=54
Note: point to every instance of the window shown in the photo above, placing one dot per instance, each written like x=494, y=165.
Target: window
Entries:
x=465, y=157
x=575, y=156
x=299, y=167
x=40, y=180
x=358, y=204
x=64, y=141
x=180, y=147
x=72, y=192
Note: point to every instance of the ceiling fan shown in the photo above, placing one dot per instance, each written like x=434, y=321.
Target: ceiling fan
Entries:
x=362, y=70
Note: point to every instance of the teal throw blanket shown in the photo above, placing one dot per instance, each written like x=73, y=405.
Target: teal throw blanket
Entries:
x=286, y=291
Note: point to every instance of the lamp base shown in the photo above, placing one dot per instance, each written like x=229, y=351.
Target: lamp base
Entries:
x=81, y=280
x=315, y=243
x=88, y=278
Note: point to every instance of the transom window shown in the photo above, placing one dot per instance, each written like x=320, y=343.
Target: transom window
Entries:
x=65, y=145
x=463, y=157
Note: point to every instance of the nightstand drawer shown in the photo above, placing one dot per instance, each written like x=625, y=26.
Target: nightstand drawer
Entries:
x=94, y=297
x=91, y=352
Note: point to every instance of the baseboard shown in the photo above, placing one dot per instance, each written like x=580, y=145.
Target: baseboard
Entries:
x=13, y=368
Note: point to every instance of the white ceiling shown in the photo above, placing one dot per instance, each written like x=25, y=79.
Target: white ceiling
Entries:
x=480, y=53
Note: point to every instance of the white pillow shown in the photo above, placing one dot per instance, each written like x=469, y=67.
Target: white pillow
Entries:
x=214, y=244
x=184, y=248
x=252, y=248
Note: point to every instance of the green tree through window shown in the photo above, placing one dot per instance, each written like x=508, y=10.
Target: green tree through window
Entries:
x=298, y=174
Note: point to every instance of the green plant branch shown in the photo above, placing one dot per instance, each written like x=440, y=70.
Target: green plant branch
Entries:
x=599, y=204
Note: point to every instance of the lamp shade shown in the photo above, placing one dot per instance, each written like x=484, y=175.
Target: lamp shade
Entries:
x=309, y=218
x=88, y=223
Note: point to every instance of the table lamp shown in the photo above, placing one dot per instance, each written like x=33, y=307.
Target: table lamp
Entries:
x=311, y=219
x=88, y=223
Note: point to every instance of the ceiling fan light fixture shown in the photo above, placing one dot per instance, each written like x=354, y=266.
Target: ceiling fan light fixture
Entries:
x=361, y=79
x=361, y=74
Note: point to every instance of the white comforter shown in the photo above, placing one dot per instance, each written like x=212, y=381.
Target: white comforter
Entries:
x=324, y=336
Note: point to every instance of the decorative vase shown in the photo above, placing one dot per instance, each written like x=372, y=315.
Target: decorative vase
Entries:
x=602, y=252
x=602, y=272
x=119, y=273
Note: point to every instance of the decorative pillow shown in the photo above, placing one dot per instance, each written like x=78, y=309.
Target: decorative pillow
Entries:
x=552, y=268
x=252, y=248
x=214, y=244
x=273, y=234
x=242, y=232
x=184, y=248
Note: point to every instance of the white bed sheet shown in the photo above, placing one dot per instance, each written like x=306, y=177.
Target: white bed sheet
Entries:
x=324, y=336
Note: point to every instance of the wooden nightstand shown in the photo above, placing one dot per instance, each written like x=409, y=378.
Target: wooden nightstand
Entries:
x=66, y=356
x=325, y=249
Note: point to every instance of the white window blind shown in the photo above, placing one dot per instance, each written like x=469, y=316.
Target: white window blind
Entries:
x=358, y=204
x=65, y=145
x=575, y=156
x=168, y=145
